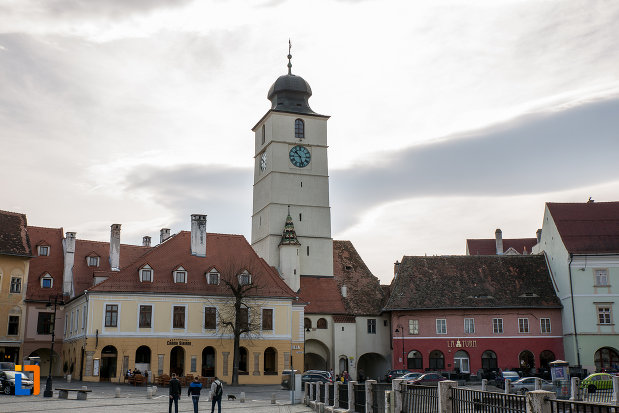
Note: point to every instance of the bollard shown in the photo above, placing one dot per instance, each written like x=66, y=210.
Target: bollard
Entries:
x=484, y=385
x=369, y=396
x=538, y=383
x=575, y=389
x=117, y=392
x=272, y=398
x=149, y=392
x=154, y=390
x=508, y=386
x=336, y=395
x=68, y=378
x=242, y=397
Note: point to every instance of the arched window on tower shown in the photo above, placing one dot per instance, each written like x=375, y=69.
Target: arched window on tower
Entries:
x=299, y=129
x=321, y=324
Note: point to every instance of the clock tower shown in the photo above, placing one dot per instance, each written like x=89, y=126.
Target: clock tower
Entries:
x=291, y=184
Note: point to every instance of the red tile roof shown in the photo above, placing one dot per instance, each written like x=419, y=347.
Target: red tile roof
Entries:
x=587, y=228
x=223, y=252
x=322, y=295
x=344, y=319
x=53, y=264
x=14, y=238
x=487, y=246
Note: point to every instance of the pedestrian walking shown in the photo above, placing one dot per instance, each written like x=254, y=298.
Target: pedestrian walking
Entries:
x=217, y=390
x=193, y=391
x=175, y=393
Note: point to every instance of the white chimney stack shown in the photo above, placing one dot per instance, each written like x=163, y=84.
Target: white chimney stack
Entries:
x=146, y=241
x=164, y=234
x=115, y=247
x=198, y=235
x=539, y=235
x=69, y=259
x=499, y=241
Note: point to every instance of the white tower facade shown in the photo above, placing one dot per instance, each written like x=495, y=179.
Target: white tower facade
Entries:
x=291, y=178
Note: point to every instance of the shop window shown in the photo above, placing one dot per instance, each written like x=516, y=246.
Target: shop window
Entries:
x=489, y=360
x=414, y=360
x=437, y=360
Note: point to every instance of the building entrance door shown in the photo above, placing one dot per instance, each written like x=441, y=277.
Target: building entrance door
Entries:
x=461, y=361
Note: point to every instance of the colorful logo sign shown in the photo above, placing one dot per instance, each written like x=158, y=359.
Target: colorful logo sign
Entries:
x=37, y=380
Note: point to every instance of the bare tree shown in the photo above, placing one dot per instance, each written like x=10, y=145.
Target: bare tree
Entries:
x=242, y=316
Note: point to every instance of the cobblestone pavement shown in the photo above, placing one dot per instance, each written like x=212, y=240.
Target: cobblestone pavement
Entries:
x=133, y=399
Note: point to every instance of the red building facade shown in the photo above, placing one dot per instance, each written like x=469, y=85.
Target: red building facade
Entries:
x=466, y=313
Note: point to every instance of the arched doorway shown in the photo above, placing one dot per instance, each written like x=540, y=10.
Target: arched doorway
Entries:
x=372, y=366
x=489, y=361
x=177, y=360
x=270, y=361
x=526, y=361
x=208, y=362
x=109, y=358
x=343, y=364
x=605, y=358
x=437, y=360
x=43, y=354
x=142, y=358
x=243, y=361
x=545, y=357
x=414, y=360
x=316, y=355
x=461, y=362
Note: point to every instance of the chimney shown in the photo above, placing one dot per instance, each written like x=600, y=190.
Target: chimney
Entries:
x=499, y=241
x=396, y=267
x=198, y=235
x=539, y=235
x=164, y=234
x=115, y=247
x=69, y=259
x=146, y=241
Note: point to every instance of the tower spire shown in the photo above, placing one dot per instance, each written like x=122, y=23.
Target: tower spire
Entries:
x=289, y=236
x=289, y=57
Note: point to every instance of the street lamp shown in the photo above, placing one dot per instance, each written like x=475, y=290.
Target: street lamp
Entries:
x=55, y=304
x=400, y=329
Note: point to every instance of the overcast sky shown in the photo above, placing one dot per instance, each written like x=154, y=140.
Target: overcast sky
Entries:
x=449, y=119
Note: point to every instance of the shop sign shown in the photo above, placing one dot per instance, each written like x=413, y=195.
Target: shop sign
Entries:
x=461, y=343
x=179, y=343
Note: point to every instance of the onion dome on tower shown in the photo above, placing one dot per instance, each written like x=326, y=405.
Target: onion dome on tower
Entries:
x=290, y=93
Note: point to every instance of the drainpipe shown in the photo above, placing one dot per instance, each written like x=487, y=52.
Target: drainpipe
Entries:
x=569, y=269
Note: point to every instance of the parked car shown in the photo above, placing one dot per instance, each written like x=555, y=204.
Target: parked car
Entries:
x=428, y=379
x=526, y=384
x=5, y=365
x=7, y=382
x=394, y=374
x=505, y=375
x=597, y=381
x=315, y=377
x=409, y=377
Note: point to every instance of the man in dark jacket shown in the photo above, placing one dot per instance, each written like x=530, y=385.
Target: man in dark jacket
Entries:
x=175, y=393
x=217, y=391
x=194, y=391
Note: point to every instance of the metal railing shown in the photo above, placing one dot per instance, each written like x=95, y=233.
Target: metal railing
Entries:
x=598, y=396
x=570, y=406
x=322, y=392
x=359, y=390
x=378, y=393
x=419, y=399
x=343, y=396
x=331, y=393
x=471, y=401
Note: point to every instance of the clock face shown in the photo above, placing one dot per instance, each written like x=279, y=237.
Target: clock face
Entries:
x=263, y=161
x=300, y=156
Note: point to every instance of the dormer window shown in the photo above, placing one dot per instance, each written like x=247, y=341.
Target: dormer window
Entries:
x=212, y=277
x=299, y=129
x=47, y=281
x=43, y=250
x=180, y=275
x=244, y=278
x=146, y=274
x=93, y=261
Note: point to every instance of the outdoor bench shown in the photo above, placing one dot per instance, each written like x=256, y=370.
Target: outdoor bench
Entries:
x=82, y=394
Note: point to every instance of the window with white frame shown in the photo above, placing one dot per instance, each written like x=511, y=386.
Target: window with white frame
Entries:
x=544, y=325
x=413, y=327
x=441, y=326
x=497, y=325
x=93, y=261
x=245, y=278
x=601, y=277
x=146, y=274
x=210, y=318
x=15, y=285
x=469, y=325
x=523, y=325
x=212, y=277
x=180, y=275
x=43, y=250
x=111, y=315
x=604, y=314
x=178, y=320
x=47, y=281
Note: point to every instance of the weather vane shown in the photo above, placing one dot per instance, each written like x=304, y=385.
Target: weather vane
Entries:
x=289, y=57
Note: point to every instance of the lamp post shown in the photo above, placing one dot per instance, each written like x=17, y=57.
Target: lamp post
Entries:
x=55, y=304
x=400, y=329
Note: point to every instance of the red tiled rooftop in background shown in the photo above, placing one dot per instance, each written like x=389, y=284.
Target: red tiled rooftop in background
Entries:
x=487, y=246
x=53, y=264
x=322, y=295
x=14, y=239
x=591, y=227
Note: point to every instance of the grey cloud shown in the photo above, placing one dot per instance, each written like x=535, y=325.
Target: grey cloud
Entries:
x=534, y=154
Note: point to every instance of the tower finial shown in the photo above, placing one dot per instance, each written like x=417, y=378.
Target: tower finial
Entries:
x=289, y=57
x=288, y=209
